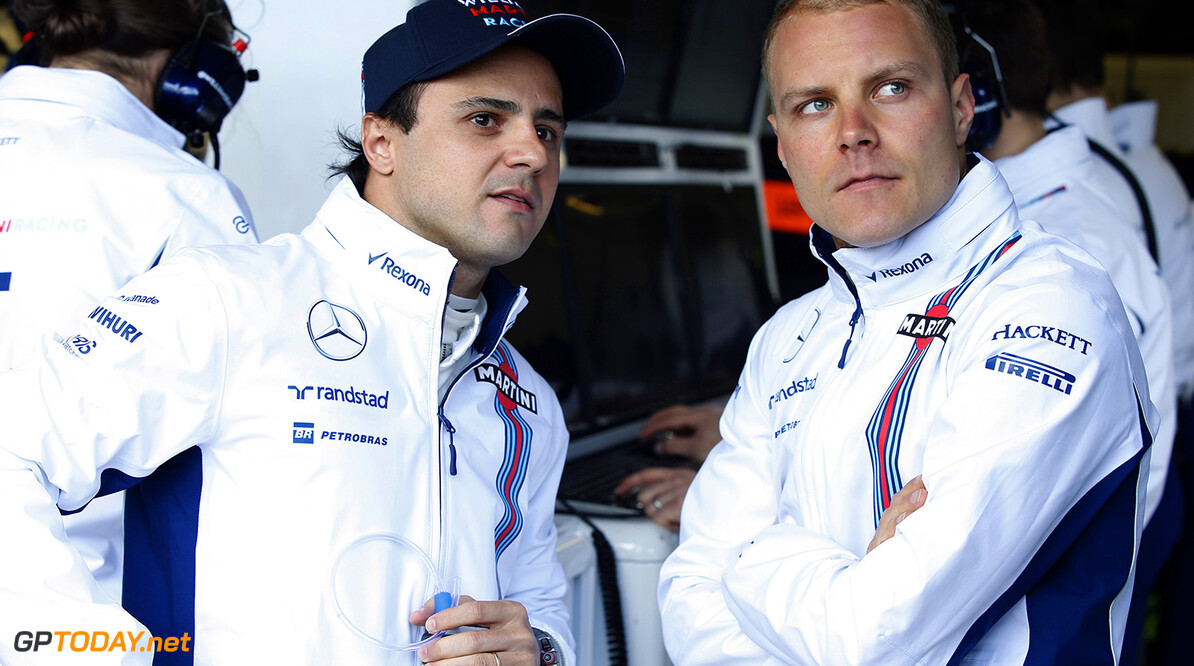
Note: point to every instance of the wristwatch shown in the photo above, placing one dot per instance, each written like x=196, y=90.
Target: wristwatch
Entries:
x=548, y=654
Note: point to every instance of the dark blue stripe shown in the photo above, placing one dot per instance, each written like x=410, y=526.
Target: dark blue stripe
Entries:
x=1072, y=580
x=5, y=280
x=500, y=296
x=161, y=525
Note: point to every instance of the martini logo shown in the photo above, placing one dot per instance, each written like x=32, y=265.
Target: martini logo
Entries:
x=337, y=332
x=933, y=324
x=507, y=386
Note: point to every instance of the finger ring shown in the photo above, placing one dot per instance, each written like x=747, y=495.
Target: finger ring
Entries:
x=496, y=659
x=656, y=503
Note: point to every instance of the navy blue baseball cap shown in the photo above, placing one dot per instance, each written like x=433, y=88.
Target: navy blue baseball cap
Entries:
x=442, y=35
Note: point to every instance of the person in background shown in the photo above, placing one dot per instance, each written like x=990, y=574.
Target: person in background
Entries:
x=688, y=431
x=328, y=430
x=962, y=481
x=1078, y=96
x=97, y=188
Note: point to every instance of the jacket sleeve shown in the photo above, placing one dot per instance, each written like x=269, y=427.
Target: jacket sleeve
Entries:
x=537, y=580
x=128, y=387
x=698, y=626
x=212, y=211
x=1014, y=473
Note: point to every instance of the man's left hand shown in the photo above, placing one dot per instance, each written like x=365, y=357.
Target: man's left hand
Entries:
x=506, y=632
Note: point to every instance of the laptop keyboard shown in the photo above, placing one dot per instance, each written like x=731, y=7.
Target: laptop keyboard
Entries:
x=593, y=478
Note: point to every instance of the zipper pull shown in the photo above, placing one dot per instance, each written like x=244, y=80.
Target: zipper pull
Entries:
x=451, y=442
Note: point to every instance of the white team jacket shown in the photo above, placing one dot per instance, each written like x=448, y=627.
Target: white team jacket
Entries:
x=1134, y=125
x=1169, y=204
x=1054, y=183
x=96, y=189
x=978, y=351
x=278, y=403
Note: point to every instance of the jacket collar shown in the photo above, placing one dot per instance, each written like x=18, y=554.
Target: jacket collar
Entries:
x=978, y=217
x=94, y=94
x=1090, y=114
x=1134, y=124
x=401, y=268
x=1046, y=165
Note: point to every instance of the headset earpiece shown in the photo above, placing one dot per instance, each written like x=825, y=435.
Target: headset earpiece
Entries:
x=199, y=86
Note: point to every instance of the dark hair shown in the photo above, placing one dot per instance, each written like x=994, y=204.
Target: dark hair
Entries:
x=1077, y=41
x=1016, y=30
x=401, y=109
x=930, y=13
x=121, y=27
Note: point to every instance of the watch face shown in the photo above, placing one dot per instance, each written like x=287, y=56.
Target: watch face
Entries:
x=547, y=651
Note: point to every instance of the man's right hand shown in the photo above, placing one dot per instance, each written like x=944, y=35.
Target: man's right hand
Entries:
x=694, y=430
x=910, y=498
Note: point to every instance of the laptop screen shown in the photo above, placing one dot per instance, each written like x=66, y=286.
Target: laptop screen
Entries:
x=642, y=297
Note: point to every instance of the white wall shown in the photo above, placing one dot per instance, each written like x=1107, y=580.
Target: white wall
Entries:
x=277, y=141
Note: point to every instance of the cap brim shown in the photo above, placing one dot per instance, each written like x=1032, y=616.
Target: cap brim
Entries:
x=586, y=59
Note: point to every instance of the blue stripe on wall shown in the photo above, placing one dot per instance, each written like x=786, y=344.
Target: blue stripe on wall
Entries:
x=5, y=280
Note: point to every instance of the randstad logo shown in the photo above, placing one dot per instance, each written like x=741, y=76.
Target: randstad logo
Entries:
x=400, y=274
x=910, y=267
x=806, y=384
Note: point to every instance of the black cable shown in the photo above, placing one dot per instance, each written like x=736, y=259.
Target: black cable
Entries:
x=611, y=596
x=215, y=148
x=1150, y=230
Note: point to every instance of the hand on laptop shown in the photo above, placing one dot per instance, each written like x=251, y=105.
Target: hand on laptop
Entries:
x=660, y=491
x=681, y=430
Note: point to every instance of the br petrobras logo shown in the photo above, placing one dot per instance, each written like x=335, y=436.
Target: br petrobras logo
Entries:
x=303, y=432
x=1033, y=371
x=337, y=332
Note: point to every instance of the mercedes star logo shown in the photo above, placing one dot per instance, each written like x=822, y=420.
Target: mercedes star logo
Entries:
x=337, y=332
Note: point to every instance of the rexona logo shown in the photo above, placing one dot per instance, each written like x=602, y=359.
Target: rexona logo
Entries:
x=349, y=395
x=1033, y=371
x=400, y=274
x=118, y=326
x=910, y=267
x=806, y=384
x=488, y=372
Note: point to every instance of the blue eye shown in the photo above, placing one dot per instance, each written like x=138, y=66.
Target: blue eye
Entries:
x=815, y=106
x=892, y=89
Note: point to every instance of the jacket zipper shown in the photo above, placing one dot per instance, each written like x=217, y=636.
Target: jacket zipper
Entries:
x=828, y=258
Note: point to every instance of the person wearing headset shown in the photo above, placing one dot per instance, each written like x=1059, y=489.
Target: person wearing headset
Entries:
x=337, y=457
x=1054, y=180
x=962, y=482
x=97, y=187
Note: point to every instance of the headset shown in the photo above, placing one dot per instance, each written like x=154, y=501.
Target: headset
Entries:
x=978, y=59
x=201, y=83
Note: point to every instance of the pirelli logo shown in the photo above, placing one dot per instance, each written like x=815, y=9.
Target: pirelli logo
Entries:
x=1033, y=371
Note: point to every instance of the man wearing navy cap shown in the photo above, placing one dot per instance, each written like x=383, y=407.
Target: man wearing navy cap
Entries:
x=331, y=454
